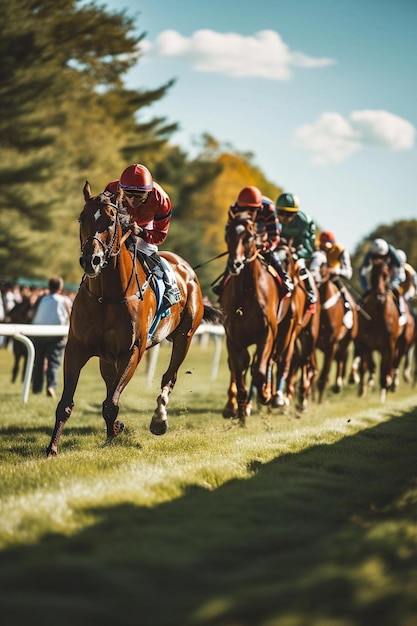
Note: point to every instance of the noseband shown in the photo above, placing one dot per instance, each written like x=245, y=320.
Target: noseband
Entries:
x=98, y=261
x=235, y=265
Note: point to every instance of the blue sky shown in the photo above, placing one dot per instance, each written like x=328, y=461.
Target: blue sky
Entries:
x=322, y=92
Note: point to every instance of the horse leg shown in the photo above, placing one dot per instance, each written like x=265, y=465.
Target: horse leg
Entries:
x=354, y=372
x=324, y=374
x=116, y=379
x=181, y=341
x=74, y=361
x=239, y=360
x=261, y=374
x=230, y=409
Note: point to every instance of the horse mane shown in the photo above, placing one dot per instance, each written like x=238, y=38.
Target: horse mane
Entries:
x=106, y=197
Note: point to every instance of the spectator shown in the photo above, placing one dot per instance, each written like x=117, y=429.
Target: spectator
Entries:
x=53, y=308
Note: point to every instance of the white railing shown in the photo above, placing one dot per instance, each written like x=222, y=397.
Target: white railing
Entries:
x=23, y=332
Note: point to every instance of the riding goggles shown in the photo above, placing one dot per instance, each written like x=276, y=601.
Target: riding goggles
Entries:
x=133, y=193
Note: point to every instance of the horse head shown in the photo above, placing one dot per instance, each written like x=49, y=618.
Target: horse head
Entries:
x=241, y=240
x=99, y=221
x=380, y=277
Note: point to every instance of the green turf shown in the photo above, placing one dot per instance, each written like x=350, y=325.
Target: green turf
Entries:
x=291, y=521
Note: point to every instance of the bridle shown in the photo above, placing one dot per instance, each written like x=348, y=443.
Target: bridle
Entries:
x=243, y=225
x=99, y=262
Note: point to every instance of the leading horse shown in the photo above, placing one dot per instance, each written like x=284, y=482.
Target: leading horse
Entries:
x=115, y=315
x=250, y=303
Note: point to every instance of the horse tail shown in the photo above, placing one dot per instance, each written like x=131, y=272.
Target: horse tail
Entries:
x=212, y=315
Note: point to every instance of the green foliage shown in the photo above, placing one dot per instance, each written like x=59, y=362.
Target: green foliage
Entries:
x=64, y=117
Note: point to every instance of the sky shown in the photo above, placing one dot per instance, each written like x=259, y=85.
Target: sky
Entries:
x=323, y=93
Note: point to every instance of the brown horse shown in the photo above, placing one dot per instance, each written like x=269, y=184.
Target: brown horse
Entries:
x=115, y=315
x=250, y=304
x=294, y=352
x=380, y=332
x=334, y=335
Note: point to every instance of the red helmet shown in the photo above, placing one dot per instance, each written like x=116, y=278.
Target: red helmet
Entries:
x=250, y=196
x=136, y=177
x=327, y=237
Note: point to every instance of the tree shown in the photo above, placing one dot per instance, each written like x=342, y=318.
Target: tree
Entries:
x=401, y=234
x=64, y=115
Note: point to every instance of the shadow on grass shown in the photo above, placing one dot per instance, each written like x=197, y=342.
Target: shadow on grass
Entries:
x=323, y=537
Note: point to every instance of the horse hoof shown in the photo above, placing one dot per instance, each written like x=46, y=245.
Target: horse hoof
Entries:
x=229, y=414
x=118, y=427
x=50, y=453
x=279, y=401
x=158, y=428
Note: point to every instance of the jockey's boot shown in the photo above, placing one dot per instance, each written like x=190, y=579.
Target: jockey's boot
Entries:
x=287, y=282
x=401, y=305
x=348, y=314
x=311, y=295
x=401, y=308
x=172, y=294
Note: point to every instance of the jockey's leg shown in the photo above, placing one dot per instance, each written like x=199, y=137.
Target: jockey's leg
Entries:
x=307, y=279
x=348, y=315
x=275, y=262
x=171, y=294
x=400, y=303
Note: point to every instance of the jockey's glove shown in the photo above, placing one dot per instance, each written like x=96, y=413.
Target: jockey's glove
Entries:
x=136, y=229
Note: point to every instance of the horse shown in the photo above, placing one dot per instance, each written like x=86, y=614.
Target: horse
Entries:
x=378, y=331
x=334, y=336
x=294, y=351
x=250, y=302
x=116, y=315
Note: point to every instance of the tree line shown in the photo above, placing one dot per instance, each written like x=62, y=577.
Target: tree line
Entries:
x=66, y=115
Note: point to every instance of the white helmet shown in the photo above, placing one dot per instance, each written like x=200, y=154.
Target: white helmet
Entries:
x=379, y=247
x=402, y=255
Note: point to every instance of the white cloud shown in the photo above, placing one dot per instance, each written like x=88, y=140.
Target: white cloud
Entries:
x=263, y=54
x=381, y=128
x=333, y=138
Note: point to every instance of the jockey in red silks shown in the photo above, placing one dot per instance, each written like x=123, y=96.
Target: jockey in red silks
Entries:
x=267, y=232
x=150, y=209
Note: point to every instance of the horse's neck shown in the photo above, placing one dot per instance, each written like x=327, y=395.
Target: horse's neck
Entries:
x=245, y=283
x=123, y=277
x=379, y=283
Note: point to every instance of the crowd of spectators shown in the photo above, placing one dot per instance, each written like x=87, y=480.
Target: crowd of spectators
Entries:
x=48, y=304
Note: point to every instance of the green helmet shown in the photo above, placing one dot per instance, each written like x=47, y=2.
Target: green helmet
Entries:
x=288, y=202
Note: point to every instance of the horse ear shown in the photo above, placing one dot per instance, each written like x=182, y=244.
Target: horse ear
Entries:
x=231, y=215
x=87, y=191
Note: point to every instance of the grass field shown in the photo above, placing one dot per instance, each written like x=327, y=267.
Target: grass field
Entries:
x=291, y=521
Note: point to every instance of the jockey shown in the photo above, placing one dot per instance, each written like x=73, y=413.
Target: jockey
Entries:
x=299, y=230
x=339, y=264
x=409, y=285
x=150, y=208
x=382, y=250
x=267, y=232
